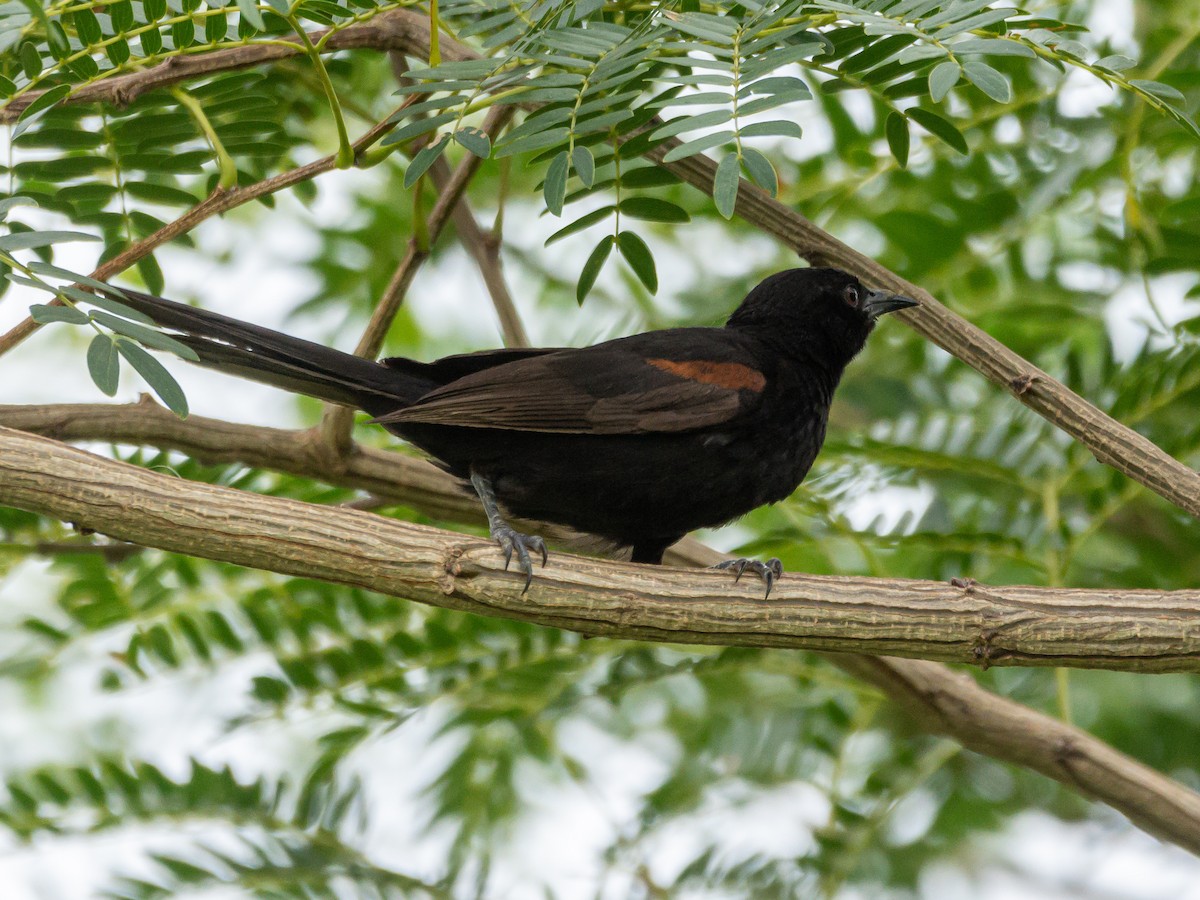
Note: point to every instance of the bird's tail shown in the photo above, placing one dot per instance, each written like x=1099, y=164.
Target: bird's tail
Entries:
x=260, y=354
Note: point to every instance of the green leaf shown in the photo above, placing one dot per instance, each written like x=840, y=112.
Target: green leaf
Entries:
x=982, y=20
x=147, y=336
x=994, y=47
x=113, y=306
x=988, y=80
x=944, y=76
x=44, y=314
x=422, y=161
x=151, y=42
x=473, y=140
x=555, y=187
x=1115, y=63
x=29, y=240
x=699, y=145
x=581, y=223
x=45, y=268
x=10, y=203
x=760, y=170
x=250, y=12
x=939, y=128
x=160, y=380
x=691, y=123
x=87, y=26
x=640, y=259
x=540, y=141
x=215, y=28
x=151, y=273
x=648, y=177
x=1160, y=90
x=419, y=127
x=652, y=209
x=103, y=363
x=118, y=52
x=121, y=13
x=725, y=185
x=591, y=269
x=759, y=104
x=774, y=128
x=779, y=85
x=31, y=59
x=41, y=104
x=584, y=164
x=897, y=137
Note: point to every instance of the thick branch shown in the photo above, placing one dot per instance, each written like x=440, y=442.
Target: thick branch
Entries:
x=599, y=597
x=1142, y=631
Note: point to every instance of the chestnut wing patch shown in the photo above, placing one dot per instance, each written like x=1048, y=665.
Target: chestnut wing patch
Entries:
x=731, y=376
x=598, y=390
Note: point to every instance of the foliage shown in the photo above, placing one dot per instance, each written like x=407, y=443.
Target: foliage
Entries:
x=1021, y=211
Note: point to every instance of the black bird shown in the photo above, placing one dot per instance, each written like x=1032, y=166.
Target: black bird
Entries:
x=638, y=440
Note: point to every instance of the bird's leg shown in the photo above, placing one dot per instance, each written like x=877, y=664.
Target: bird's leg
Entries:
x=768, y=571
x=505, y=535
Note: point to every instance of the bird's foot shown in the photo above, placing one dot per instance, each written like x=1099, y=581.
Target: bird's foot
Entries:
x=768, y=571
x=512, y=541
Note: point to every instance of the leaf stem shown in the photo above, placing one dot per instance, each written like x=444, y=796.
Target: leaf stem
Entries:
x=225, y=163
x=345, y=153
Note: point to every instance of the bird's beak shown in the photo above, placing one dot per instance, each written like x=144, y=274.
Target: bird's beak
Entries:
x=881, y=302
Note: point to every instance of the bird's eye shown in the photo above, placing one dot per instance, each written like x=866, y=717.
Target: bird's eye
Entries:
x=850, y=295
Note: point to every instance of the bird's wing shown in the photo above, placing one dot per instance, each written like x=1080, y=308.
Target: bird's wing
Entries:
x=673, y=381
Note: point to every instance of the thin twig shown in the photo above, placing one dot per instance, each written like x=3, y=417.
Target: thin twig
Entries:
x=484, y=248
x=337, y=422
x=220, y=201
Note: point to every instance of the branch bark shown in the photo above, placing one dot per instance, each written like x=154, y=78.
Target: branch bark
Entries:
x=1138, y=631
x=599, y=597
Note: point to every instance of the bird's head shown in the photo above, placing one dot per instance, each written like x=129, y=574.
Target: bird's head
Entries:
x=819, y=309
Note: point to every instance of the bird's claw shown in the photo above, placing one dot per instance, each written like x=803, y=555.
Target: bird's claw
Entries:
x=768, y=571
x=512, y=541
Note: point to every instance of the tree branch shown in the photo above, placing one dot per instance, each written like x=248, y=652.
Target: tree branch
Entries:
x=1138, y=631
x=220, y=201
x=338, y=421
x=599, y=597
x=395, y=30
x=484, y=248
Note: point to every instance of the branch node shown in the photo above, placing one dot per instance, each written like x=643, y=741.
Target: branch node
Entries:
x=330, y=457
x=967, y=584
x=983, y=652
x=453, y=568
x=1066, y=752
x=1022, y=383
